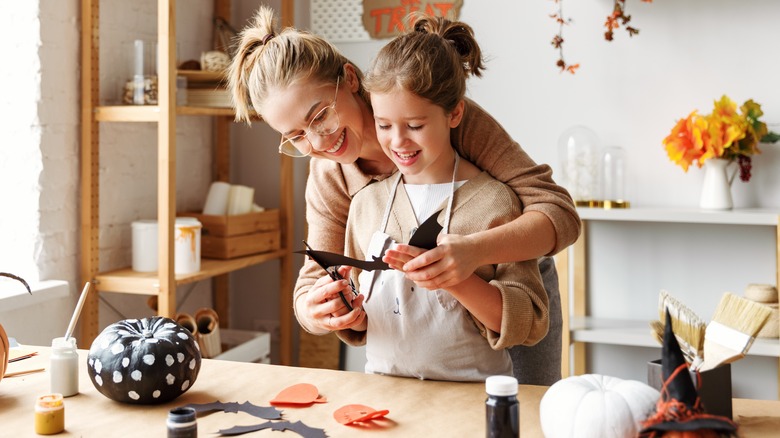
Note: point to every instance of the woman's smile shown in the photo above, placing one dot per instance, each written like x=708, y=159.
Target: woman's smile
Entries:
x=339, y=143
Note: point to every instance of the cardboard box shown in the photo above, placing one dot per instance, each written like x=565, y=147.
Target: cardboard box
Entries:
x=217, y=247
x=714, y=391
x=227, y=237
x=236, y=225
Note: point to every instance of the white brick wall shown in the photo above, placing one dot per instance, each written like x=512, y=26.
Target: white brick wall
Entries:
x=20, y=137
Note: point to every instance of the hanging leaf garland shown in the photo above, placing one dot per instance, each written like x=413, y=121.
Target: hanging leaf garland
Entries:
x=614, y=20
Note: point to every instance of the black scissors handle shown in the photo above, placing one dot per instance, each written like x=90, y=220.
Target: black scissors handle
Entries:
x=333, y=273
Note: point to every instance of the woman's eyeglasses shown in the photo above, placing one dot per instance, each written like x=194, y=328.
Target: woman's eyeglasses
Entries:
x=324, y=123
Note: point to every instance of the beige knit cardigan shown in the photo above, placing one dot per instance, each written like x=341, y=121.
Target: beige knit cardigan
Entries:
x=480, y=139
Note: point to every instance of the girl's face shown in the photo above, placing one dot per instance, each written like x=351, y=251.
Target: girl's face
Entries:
x=291, y=110
x=415, y=134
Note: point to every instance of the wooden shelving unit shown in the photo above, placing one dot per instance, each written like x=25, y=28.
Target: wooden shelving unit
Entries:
x=163, y=283
x=581, y=329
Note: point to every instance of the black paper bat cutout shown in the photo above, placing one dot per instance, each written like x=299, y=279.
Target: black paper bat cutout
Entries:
x=331, y=259
x=427, y=232
x=297, y=427
x=424, y=237
x=266, y=413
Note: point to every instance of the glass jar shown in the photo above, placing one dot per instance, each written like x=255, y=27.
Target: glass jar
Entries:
x=141, y=85
x=579, y=148
x=182, y=423
x=502, y=410
x=49, y=414
x=613, y=177
x=64, y=367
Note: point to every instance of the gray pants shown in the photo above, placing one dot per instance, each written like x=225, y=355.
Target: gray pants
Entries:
x=541, y=363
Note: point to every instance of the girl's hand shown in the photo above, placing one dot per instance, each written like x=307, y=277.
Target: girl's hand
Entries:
x=454, y=259
x=399, y=255
x=324, y=308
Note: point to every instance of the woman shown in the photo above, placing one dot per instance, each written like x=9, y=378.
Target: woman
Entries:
x=305, y=89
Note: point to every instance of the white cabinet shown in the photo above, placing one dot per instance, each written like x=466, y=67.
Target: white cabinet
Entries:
x=622, y=260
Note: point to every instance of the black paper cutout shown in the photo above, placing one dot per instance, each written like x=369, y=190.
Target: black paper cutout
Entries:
x=266, y=413
x=424, y=237
x=297, y=427
x=427, y=232
x=330, y=259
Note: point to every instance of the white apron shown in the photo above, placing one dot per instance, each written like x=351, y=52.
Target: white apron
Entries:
x=420, y=333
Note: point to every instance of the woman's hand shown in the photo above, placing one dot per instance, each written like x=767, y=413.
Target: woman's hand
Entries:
x=453, y=260
x=326, y=311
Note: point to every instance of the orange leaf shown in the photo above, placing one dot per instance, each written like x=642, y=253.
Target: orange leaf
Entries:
x=357, y=414
x=300, y=394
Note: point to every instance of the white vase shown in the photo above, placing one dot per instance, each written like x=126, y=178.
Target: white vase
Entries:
x=716, y=187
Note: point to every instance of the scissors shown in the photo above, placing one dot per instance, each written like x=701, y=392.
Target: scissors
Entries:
x=330, y=268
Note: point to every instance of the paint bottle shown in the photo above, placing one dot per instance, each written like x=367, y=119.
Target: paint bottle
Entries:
x=49, y=414
x=64, y=367
x=181, y=423
x=502, y=407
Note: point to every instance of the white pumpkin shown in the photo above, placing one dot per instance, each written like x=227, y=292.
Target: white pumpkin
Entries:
x=596, y=406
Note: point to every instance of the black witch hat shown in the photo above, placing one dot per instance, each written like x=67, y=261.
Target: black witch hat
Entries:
x=680, y=408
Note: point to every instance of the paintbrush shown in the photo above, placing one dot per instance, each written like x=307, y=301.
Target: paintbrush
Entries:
x=732, y=330
x=687, y=327
x=77, y=312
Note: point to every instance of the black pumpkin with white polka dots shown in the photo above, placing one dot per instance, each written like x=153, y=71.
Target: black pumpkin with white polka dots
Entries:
x=144, y=361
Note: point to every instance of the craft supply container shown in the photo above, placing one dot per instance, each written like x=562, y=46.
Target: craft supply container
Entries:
x=64, y=367
x=140, y=86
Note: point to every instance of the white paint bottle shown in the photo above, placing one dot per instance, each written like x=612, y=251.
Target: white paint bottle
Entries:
x=64, y=367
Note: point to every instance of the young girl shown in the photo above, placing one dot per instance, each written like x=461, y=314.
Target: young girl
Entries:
x=292, y=79
x=462, y=331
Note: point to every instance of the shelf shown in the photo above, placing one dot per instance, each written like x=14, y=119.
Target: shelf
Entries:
x=245, y=346
x=637, y=333
x=204, y=111
x=195, y=76
x=163, y=283
x=746, y=216
x=147, y=283
x=151, y=113
x=127, y=113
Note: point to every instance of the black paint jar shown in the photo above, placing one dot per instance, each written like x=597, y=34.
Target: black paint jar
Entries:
x=502, y=410
x=181, y=423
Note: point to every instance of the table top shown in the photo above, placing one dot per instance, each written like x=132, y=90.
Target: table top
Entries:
x=417, y=408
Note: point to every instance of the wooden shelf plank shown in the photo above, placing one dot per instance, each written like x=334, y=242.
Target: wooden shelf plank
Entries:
x=204, y=111
x=146, y=283
x=739, y=216
x=151, y=113
x=637, y=333
x=127, y=113
x=196, y=76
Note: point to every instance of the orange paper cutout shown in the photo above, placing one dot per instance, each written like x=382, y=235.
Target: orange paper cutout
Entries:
x=299, y=394
x=350, y=414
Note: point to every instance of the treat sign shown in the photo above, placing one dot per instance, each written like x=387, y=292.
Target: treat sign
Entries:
x=387, y=18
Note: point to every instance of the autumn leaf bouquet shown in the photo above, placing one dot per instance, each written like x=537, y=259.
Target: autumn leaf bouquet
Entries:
x=728, y=132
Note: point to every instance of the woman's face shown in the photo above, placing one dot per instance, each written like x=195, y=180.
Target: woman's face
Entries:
x=291, y=110
x=415, y=134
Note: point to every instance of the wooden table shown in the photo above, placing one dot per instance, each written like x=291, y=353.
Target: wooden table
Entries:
x=417, y=408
